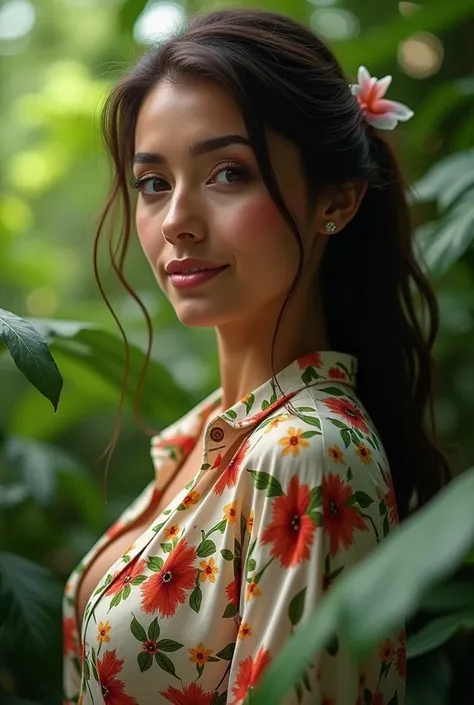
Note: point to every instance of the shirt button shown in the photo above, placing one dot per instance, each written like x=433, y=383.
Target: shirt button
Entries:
x=217, y=434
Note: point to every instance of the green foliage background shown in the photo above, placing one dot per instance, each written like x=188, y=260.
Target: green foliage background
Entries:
x=52, y=184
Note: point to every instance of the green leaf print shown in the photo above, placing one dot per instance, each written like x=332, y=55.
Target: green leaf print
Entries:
x=334, y=391
x=196, y=599
x=200, y=669
x=311, y=420
x=137, y=630
x=138, y=580
x=309, y=434
x=227, y=652
x=158, y=527
x=251, y=564
x=315, y=498
x=206, y=548
x=166, y=547
x=153, y=630
x=382, y=508
x=265, y=481
x=337, y=423
x=332, y=647
x=125, y=558
x=349, y=474
x=87, y=670
x=346, y=437
x=145, y=660
x=219, y=699
x=231, y=414
x=250, y=402
x=386, y=526
x=363, y=499
x=296, y=607
x=155, y=563
x=394, y=700
x=116, y=600
x=169, y=645
x=316, y=518
x=230, y=611
x=166, y=664
x=227, y=555
x=126, y=592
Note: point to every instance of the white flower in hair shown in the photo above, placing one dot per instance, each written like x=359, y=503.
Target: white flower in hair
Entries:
x=379, y=112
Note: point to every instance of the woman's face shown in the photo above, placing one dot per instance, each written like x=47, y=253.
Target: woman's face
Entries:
x=214, y=205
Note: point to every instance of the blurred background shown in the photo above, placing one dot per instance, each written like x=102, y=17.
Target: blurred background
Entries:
x=58, y=59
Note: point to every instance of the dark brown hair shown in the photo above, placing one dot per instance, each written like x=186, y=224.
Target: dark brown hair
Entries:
x=284, y=78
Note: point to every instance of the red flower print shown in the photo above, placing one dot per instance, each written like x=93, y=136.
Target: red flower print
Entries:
x=386, y=650
x=349, y=411
x=233, y=591
x=191, y=694
x=313, y=359
x=167, y=588
x=249, y=673
x=69, y=644
x=390, y=499
x=133, y=570
x=184, y=444
x=340, y=519
x=112, y=689
x=378, y=699
x=114, y=530
x=231, y=473
x=291, y=531
x=401, y=655
x=336, y=373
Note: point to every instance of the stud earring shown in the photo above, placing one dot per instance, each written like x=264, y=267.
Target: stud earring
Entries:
x=330, y=227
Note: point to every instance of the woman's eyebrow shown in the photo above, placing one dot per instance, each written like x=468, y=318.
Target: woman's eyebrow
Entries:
x=196, y=150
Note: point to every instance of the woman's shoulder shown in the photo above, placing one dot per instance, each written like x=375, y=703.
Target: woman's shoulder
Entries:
x=324, y=438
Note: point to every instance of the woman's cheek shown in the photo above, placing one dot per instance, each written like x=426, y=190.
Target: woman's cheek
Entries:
x=146, y=234
x=254, y=222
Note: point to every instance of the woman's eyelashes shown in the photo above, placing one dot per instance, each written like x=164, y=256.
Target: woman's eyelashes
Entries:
x=153, y=184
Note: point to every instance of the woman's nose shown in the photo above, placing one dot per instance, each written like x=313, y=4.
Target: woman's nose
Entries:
x=183, y=218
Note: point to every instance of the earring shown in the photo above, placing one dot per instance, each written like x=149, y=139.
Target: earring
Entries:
x=330, y=227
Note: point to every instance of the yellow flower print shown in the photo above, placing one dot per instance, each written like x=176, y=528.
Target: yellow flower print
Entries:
x=250, y=522
x=172, y=532
x=336, y=454
x=245, y=399
x=252, y=590
x=103, y=632
x=274, y=423
x=364, y=453
x=230, y=513
x=209, y=571
x=293, y=442
x=245, y=630
x=200, y=655
x=191, y=498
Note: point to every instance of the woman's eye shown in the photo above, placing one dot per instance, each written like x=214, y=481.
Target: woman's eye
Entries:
x=231, y=175
x=151, y=185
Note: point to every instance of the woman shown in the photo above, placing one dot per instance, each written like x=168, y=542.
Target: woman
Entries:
x=270, y=208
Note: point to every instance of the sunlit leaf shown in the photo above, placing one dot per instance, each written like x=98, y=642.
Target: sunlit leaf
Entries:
x=438, y=631
x=31, y=355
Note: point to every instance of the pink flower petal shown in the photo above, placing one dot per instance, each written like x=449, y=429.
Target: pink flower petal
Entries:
x=363, y=79
x=383, y=121
x=382, y=85
x=400, y=110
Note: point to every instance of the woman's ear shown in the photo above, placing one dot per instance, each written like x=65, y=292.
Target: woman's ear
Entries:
x=338, y=206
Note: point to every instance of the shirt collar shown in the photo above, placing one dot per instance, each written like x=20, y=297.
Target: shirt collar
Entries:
x=306, y=371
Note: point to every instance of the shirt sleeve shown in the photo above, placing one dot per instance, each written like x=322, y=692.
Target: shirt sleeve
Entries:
x=314, y=509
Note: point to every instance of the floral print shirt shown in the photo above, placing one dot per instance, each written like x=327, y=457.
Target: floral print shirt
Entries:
x=200, y=604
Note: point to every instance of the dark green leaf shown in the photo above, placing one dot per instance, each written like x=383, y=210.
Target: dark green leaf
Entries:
x=31, y=355
x=126, y=591
x=169, y=645
x=227, y=652
x=296, y=607
x=155, y=563
x=334, y=391
x=265, y=481
x=227, y=555
x=154, y=630
x=439, y=631
x=206, y=548
x=196, y=599
x=346, y=437
x=230, y=611
x=145, y=660
x=166, y=664
x=363, y=499
x=137, y=630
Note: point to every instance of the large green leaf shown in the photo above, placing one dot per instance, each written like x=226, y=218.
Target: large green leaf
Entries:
x=35, y=464
x=421, y=553
x=103, y=352
x=30, y=602
x=31, y=355
x=438, y=631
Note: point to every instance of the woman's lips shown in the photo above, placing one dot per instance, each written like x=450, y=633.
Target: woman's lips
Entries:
x=185, y=281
